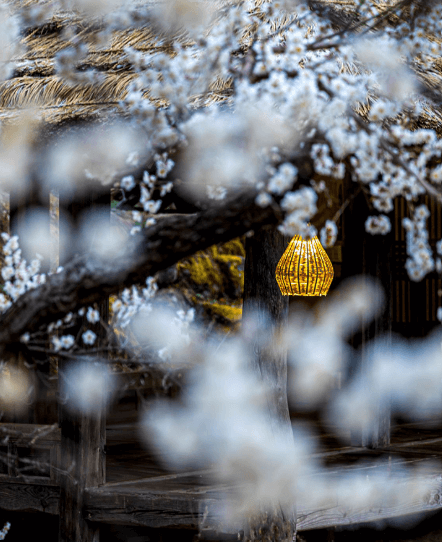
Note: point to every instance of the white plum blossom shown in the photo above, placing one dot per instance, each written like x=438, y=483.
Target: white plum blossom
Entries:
x=329, y=234
x=379, y=224
x=64, y=342
x=283, y=179
x=216, y=192
x=127, y=182
x=420, y=259
x=263, y=199
x=150, y=222
x=89, y=337
x=300, y=206
x=92, y=315
x=19, y=277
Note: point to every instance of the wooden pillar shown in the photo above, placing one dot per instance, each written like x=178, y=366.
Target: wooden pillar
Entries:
x=263, y=298
x=83, y=440
x=83, y=437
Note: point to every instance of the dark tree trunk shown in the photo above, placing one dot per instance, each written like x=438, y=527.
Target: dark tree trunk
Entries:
x=370, y=256
x=263, y=298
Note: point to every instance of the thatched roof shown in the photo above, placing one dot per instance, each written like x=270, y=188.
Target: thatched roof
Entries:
x=35, y=84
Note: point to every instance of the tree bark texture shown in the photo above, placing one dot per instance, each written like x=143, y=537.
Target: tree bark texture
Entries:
x=263, y=300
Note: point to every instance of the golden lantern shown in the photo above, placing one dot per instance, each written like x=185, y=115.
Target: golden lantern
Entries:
x=304, y=268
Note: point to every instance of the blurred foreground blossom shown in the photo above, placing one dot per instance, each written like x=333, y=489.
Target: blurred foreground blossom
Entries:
x=93, y=154
x=317, y=347
x=193, y=15
x=87, y=386
x=99, y=236
x=97, y=8
x=34, y=232
x=162, y=330
x=16, y=142
x=225, y=149
x=405, y=376
x=222, y=422
x=395, y=79
x=358, y=300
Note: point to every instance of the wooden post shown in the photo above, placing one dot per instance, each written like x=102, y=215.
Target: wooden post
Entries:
x=263, y=298
x=83, y=438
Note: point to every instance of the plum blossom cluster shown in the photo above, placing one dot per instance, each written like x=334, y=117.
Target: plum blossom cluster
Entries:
x=131, y=301
x=18, y=276
x=68, y=341
x=304, y=76
x=147, y=187
x=420, y=259
x=5, y=530
x=283, y=179
x=300, y=207
x=324, y=164
x=378, y=225
x=329, y=234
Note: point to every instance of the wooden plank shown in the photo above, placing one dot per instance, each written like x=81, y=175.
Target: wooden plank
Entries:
x=161, y=479
x=335, y=515
x=170, y=509
x=29, y=497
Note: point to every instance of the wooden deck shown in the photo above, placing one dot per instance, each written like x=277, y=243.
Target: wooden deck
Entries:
x=140, y=491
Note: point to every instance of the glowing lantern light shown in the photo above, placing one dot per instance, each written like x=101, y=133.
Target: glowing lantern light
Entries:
x=304, y=268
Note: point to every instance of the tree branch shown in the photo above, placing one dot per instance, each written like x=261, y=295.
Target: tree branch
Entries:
x=87, y=279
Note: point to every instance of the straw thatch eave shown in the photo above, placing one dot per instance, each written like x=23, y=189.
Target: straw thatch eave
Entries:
x=34, y=83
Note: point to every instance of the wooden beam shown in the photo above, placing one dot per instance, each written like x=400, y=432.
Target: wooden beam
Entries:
x=152, y=505
x=161, y=503
x=335, y=515
x=26, y=433
x=25, y=497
